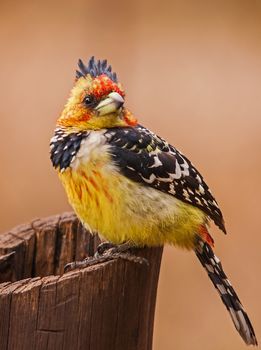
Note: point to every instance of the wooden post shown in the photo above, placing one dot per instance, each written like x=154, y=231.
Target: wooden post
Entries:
x=109, y=306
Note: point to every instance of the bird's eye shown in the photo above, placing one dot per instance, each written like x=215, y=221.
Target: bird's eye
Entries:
x=89, y=100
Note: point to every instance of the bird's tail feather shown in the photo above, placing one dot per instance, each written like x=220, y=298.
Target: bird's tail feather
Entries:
x=229, y=297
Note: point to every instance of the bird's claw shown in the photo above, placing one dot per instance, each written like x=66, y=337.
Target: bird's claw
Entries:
x=90, y=261
x=106, y=252
x=122, y=251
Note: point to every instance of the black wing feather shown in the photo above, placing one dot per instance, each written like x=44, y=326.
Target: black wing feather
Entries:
x=146, y=158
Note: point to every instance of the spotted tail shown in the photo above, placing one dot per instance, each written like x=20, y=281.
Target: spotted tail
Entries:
x=229, y=297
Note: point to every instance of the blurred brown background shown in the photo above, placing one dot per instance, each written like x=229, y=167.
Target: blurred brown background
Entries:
x=192, y=73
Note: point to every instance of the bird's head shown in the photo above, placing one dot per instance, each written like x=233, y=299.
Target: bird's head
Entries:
x=96, y=100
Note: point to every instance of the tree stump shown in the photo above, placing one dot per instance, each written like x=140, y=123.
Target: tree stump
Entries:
x=109, y=306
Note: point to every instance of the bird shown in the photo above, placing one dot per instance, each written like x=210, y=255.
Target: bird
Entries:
x=130, y=185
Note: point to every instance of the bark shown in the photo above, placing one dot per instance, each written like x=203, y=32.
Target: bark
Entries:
x=109, y=306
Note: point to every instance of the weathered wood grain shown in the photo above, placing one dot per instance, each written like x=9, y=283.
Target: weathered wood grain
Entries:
x=108, y=306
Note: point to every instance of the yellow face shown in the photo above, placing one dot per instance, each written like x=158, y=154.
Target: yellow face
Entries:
x=95, y=103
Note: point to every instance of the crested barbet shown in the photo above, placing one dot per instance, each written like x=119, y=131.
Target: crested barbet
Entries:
x=130, y=185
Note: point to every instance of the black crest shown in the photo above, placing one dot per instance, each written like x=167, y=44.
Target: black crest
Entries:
x=95, y=68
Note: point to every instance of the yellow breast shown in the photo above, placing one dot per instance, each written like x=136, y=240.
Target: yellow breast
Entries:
x=122, y=210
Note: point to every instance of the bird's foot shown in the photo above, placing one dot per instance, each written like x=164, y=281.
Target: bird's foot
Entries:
x=105, y=252
x=103, y=247
x=106, y=248
x=123, y=251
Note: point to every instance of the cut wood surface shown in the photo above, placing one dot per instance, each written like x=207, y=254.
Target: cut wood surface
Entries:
x=108, y=306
